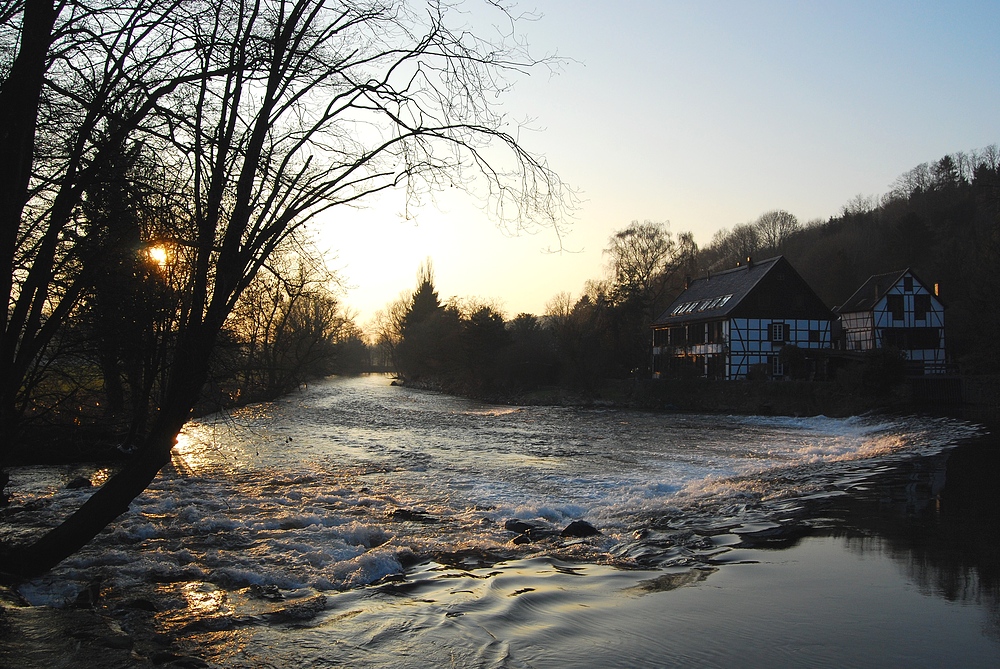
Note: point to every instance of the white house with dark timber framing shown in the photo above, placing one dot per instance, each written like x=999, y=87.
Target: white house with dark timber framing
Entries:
x=897, y=310
x=726, y=324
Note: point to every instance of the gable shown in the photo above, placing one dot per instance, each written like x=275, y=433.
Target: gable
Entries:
x=874, y=293
x=783, y=293
x=766, y=289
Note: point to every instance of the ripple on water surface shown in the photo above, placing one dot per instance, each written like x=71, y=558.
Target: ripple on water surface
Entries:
x=351, y=481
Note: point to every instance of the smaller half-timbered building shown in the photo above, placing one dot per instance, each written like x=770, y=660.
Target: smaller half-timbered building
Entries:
x=896, y=310
x=732, y=323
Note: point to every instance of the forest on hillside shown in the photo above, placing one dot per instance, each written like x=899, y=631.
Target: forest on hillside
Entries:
x=940, y=219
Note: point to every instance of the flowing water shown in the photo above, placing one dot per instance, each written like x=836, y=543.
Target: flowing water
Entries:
x=355, y=523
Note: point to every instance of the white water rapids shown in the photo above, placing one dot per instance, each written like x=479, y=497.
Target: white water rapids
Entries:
x=351, y=480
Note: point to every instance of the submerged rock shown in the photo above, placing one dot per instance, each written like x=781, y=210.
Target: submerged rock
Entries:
x=579, y=529
x=169, y=659
x=42, y=636
x=518, y=526
x=298, y=611
x=79, y=482
x=88, y=597
x=412, y=515
x=141, y=604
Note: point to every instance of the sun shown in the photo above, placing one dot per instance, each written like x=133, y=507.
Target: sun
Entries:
x=158, y=254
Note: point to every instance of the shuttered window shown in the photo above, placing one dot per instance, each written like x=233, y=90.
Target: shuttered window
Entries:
x=894, y=304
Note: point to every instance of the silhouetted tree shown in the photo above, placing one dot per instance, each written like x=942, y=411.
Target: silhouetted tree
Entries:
x=774, y=228
x=289, y=322
x=268, y=115
x=640, y=257
x=530, y=360
x=86, y=75
x=484, y=339
x=429, y=346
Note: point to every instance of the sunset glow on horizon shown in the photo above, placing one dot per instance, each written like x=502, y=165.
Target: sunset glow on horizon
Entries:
x=703, y=115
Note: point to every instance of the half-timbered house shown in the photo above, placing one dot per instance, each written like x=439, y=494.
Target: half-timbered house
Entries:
x=729, y=324
x=896, y=310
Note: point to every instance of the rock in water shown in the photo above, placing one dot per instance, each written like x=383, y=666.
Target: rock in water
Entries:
x=412, y=515
x=579, y=529
x=518, y=526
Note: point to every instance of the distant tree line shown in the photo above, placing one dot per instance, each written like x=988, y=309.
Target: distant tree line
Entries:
x=940, y=219
x=468, y=346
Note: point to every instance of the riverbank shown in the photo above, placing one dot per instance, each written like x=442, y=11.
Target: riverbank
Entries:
x=976, y=397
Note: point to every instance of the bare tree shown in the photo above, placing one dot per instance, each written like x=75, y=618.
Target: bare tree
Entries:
x=639, y=256
x=385, y=329
x=860, y=205
x=288, y=320
x=917, y=179
x=988, y=156
x=281, y=110
x=731, y=247
x=774, y=227
x=87, y=76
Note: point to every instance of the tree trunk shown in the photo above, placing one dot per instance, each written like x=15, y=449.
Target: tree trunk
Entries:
x=113, y=498
x=19, y=99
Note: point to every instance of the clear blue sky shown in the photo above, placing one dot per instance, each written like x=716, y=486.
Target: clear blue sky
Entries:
x=704, y=114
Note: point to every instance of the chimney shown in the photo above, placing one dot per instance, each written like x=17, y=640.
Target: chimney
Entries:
x=687, y=282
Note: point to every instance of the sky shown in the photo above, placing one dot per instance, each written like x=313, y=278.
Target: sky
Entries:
x=703, y=114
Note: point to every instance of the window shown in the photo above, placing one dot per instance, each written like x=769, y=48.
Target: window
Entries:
x=911, y=339
x=814, y=335
x=716, y=333
x=894, y=305
x=908, y=284
x=777, y=367
x=716, y=367
x=921, y=305
x=696, y=333
x=780, y=332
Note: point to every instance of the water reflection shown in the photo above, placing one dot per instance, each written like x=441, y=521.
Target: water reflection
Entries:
x=938, y=519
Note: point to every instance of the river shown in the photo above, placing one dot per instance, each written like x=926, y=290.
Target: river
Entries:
x=356, y=523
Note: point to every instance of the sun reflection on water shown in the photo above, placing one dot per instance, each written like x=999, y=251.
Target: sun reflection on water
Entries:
x=196, y=603
x=198, y=450
x=203, y=599
x=184, y=456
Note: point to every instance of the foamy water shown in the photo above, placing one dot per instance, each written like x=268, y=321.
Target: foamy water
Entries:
x=352, y=480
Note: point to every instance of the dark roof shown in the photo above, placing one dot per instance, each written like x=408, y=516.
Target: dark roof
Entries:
x=716, y=295
x=865, y=297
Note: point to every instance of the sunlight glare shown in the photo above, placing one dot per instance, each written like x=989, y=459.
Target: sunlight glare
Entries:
x=158, y=254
